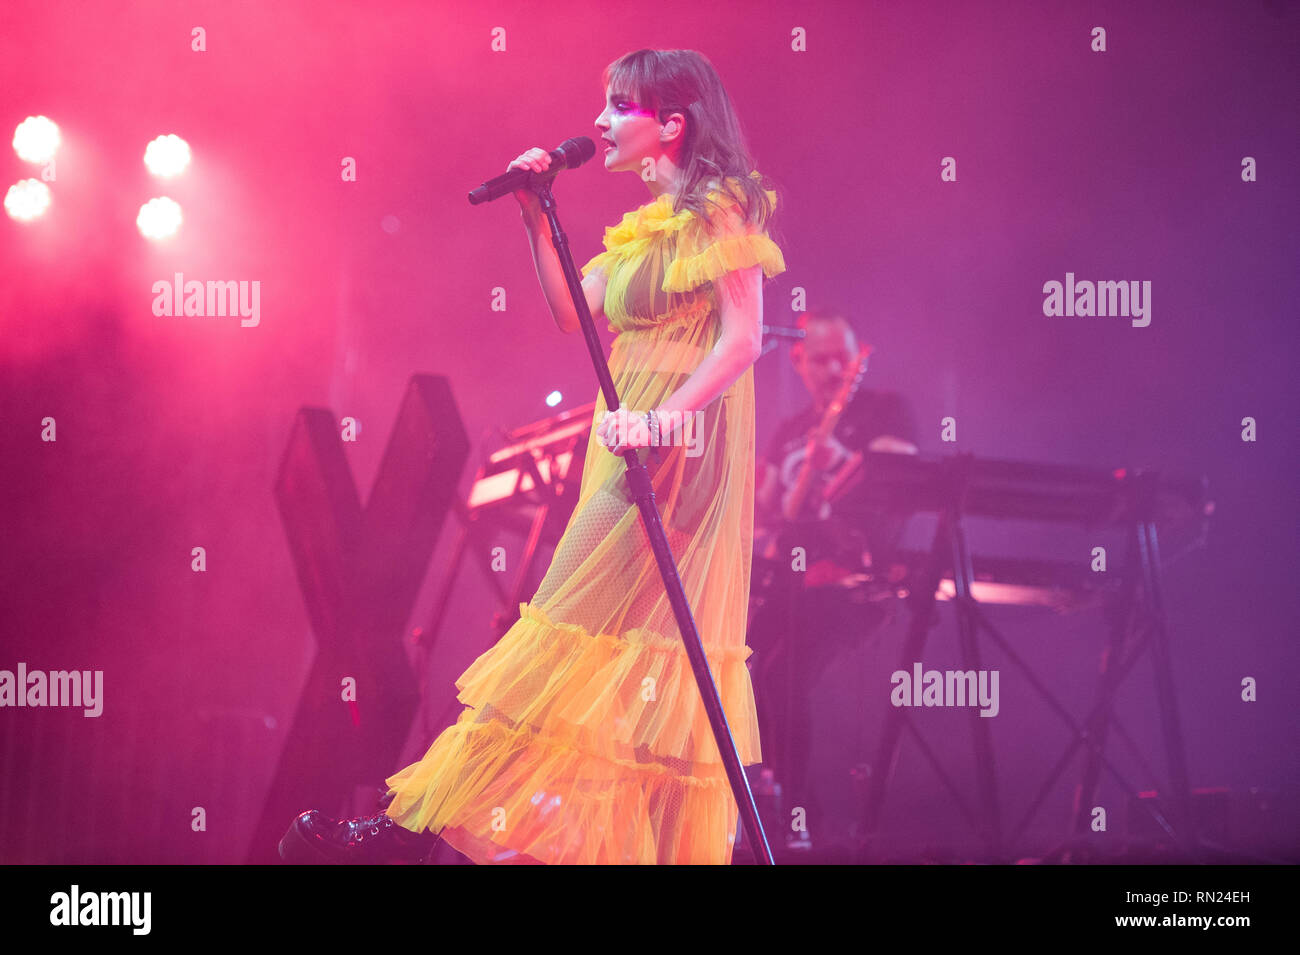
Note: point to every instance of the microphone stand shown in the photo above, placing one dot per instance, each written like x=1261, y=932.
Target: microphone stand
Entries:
x=638, y=480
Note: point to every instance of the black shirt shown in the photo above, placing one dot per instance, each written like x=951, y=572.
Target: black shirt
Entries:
x=869, y=415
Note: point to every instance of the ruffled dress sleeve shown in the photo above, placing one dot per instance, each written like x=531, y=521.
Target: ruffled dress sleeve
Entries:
x=724, y=242
x=630, y=235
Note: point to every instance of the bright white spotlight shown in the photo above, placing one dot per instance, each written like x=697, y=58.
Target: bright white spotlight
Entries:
x=167, y=155
x=36, y=139
x=553, y=399
x=159, y=218
x=27, y=199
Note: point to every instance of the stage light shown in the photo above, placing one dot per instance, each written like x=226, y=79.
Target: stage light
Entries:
x=36, y=139
x=159, y=218
x=167, y=156
x=553, y=399
x=27, y=199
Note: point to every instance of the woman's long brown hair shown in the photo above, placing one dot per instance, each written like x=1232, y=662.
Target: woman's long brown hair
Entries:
x=714, y=146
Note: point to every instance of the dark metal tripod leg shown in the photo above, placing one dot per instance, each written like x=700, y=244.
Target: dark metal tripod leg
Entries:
x=1124, y=616
x=1180, y=801
x=923, y=609
x=980, y=729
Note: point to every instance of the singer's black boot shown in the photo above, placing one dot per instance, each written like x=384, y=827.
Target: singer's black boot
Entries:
x=315, y=839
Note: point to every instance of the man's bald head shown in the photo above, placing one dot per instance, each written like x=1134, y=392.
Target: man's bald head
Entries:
x=824, y=353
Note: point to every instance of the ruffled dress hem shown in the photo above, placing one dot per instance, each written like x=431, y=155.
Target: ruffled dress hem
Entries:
x=611, y=761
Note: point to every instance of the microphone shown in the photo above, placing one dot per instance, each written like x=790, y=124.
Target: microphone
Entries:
x=568, y=155
x=784, y=331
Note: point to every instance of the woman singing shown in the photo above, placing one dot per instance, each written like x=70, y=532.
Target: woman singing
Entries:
x=583, y=738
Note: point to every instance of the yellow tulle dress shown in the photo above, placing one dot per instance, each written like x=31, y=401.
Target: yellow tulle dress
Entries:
x=583, y=739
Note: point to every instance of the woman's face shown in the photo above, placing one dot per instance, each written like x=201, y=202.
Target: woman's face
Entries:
x=633, y=130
